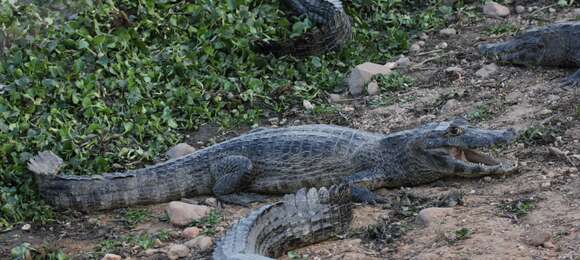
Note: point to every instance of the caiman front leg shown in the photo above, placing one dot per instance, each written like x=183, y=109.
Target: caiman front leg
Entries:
x=232, y=175
x=365, y=181
x=572, y=80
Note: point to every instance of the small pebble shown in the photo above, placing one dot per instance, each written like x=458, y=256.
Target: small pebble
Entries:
x=307, y=105
x=111, y=257
x=335, y=98
x=537, y=237
x=177, y=251
x=520, y=9
x=448, y=32
x=202, y=243
x=373, y=88
x=26, y=227
x=212, y=202
x=442, y=45
x=190, y=232
x=415, y=47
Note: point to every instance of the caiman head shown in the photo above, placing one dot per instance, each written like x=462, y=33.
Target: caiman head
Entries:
x=534, y=47
x=450, y=148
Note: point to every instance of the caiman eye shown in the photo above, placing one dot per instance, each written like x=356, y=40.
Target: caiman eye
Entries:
x=454, y=130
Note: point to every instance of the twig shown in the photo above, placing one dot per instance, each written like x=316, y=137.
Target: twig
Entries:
x=429, y=59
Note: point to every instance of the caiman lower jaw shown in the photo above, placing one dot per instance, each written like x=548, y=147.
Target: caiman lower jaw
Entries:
x=475, y=159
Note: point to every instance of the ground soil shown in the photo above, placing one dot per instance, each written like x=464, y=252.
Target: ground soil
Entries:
x=484, y=226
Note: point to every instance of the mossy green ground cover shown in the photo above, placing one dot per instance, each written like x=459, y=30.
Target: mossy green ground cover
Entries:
x=109, y=85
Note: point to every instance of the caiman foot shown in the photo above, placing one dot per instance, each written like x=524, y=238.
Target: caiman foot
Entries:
x=242, y=199
x=571, y=81
x=366, y=196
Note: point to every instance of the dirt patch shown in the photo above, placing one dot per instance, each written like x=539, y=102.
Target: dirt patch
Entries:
x=498, y=215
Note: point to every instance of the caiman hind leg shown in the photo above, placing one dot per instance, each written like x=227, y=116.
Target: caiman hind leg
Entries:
x=232, y=175
x=363, y=182
x=572, y=80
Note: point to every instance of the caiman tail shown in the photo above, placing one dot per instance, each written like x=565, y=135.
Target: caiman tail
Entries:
x=333, y=30
x=170, y=180
x=307, y=217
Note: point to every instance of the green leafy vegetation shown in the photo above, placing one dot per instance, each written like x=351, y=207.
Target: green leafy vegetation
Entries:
x=109, y=85
x=393, y=82
x=208, y=224
x=516, y=209
x=463, y=233
x=135, y=216
x=294, y=256
x=539, y=135
x=143, y=241
x=480, y=113
x=502, y=29
x=26, y=251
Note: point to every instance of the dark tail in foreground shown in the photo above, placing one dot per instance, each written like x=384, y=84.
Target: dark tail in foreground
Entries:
x=304, y=218
x=333, y=30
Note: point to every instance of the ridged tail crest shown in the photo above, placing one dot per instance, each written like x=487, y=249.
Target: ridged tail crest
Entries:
x=309, y=216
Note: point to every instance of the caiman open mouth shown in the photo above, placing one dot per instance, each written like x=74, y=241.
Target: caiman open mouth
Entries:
x=470, y=156
x=471, y=160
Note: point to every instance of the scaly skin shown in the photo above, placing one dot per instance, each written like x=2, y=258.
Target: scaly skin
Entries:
x=333, y=29
x=554, y=45
x=304, y=218
x=283, y=160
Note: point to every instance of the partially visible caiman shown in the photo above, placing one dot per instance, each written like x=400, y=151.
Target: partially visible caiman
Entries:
x=554, y=45
x=307, y=217
x=284, y=160
x=332, y=29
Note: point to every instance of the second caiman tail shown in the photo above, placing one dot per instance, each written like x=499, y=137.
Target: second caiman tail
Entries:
x=333, y=30
x=307, y=217
x=162, y=182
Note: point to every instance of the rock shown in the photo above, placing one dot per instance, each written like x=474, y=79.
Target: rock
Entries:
x=520, y=9
x=494, y=9
x=157, y=243
x=373, y=88
x=442, y=45
x=212, y=202
x=111, y=257
x=415, y=47
x=26, y=227
x=551, y=10
x=450, y=105
x=391, y=65
x=273, y=120
x=151, y=251
x=362, y=74
x=335, y=98
x=577, y=12
x=190, y=232
x=537, y=237
x=549, y=245
x=456, y=72
x=423, y=36
x=181, y=213
x=447, y=32
x=403, y=62
x=357, y=255
x=179, y=150
x=486, y=70
x=307, y=105
x=177, y=251
x=546, y=184
x=202, y=243
x=421, y=43
x=429, y=215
